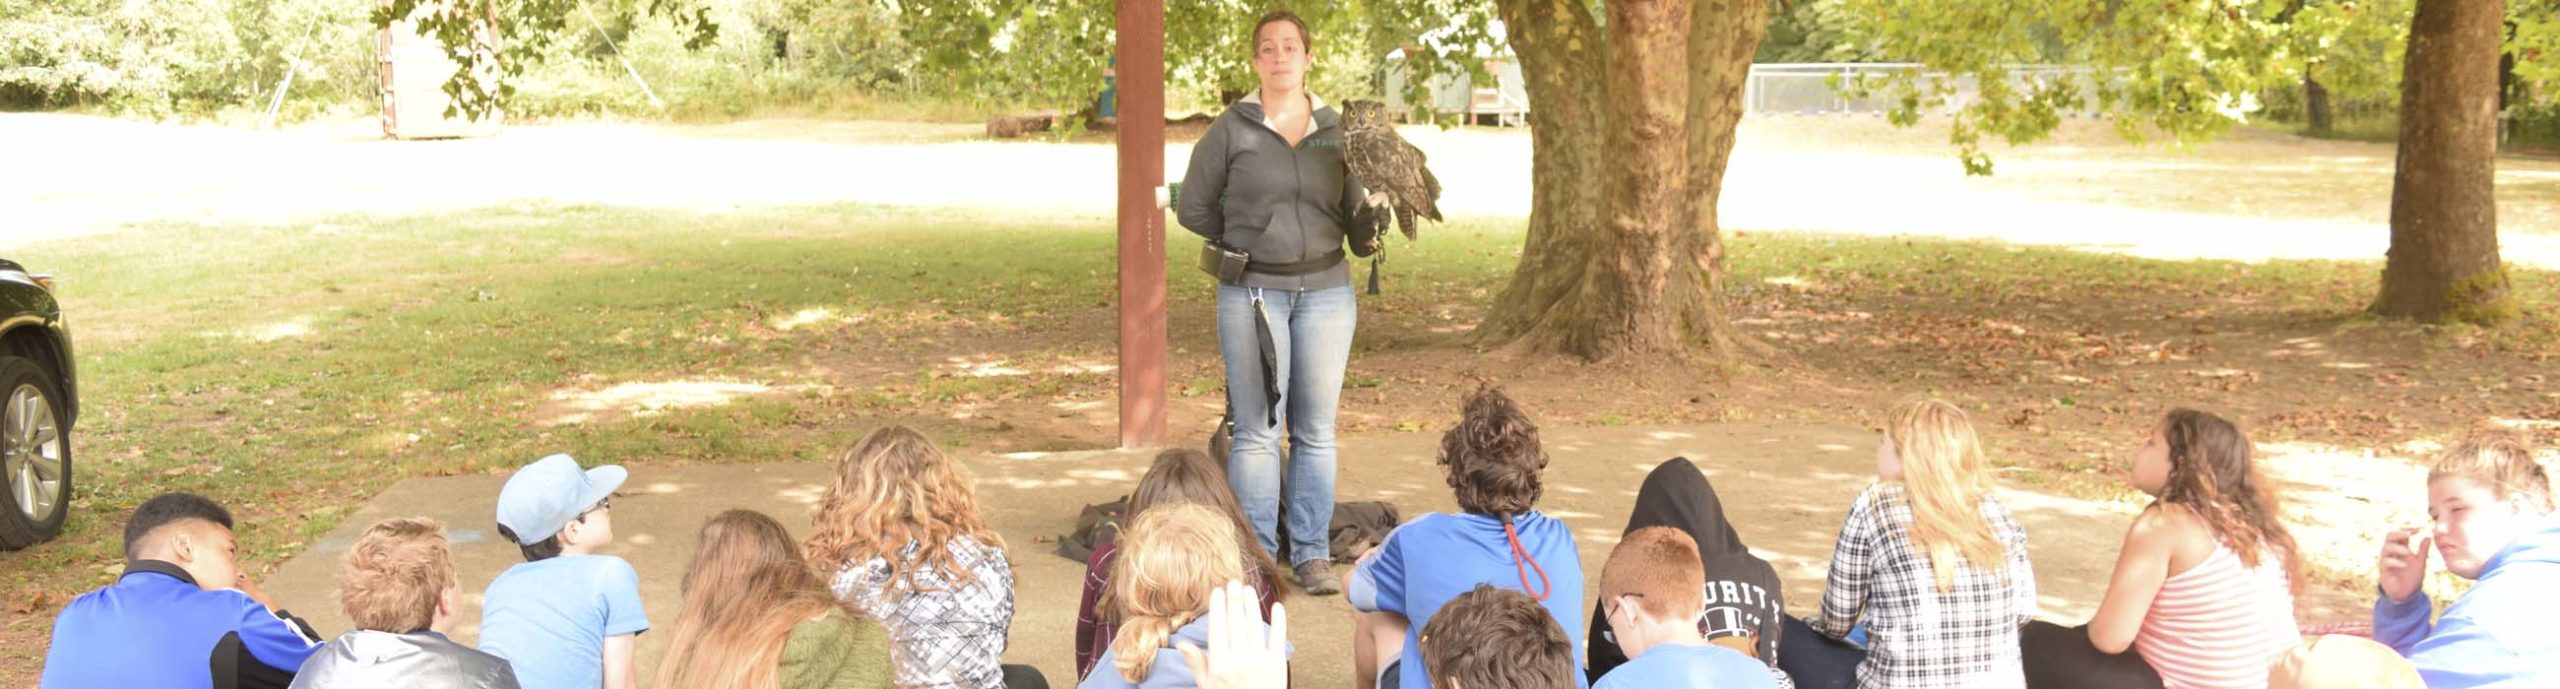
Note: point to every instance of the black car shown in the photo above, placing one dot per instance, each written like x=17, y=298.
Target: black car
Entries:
x=38, y=402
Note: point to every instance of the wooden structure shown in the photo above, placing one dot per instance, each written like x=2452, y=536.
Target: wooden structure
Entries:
x=1139, y=59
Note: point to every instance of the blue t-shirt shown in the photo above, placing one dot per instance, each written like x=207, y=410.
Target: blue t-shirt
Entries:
x=1432, y=559
x=156, y=628
x=1671, y=666
x=550, y=618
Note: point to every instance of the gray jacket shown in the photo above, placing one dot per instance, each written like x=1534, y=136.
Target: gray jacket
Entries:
x=383, y=660
x=1247, y=187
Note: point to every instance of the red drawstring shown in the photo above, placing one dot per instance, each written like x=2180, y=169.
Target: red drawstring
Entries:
x=1525, y=564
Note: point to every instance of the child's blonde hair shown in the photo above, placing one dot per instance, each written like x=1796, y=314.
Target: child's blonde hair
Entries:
x=393, y=577
x=2497, y=459
x=1168, y=563
x=894, y=488
x=1945, y=478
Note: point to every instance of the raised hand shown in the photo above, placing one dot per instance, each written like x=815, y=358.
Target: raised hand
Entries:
x=1240, y=656
x=2404, y=563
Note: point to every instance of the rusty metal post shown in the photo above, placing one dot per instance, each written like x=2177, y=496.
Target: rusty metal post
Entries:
x=1140, y=58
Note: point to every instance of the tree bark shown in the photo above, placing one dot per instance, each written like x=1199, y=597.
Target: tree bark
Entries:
x=1624, y=255
x=2443, y=263
x=1724, y=36
x=1559, y=45
x=2315, y=105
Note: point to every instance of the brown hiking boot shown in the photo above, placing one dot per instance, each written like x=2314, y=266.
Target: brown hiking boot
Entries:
x=1316, y=578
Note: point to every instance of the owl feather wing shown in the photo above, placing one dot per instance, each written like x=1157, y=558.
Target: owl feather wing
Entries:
x=1385, y=162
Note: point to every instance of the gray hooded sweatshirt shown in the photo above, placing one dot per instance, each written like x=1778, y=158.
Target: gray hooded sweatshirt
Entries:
x=1248, y=188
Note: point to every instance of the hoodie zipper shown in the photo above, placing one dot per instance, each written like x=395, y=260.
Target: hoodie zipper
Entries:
x=1298, y=188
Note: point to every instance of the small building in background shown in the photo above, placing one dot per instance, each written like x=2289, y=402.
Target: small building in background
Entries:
x=414, y=70
x=1504, y=101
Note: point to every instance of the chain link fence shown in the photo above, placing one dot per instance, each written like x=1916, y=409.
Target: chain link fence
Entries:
x=1808, y=89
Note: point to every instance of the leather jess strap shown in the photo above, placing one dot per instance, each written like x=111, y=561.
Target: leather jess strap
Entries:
x=1294, y=268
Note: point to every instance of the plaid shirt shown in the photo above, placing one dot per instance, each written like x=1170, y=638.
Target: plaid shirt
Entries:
x=1917, y=636
x=941, y=636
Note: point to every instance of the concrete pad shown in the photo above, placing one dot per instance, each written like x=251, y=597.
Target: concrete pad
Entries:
x=1787, y=486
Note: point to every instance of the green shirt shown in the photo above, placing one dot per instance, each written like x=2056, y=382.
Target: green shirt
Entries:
x=839, y=651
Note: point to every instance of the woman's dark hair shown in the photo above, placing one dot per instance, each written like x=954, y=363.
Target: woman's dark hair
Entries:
x=2210, y=472
x=1492, y=455
x=1305, y=38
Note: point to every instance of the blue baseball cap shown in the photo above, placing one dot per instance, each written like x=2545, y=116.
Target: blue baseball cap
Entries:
x=545, y=496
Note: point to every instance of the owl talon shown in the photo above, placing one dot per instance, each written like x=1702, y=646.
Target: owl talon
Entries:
x=1377, y=198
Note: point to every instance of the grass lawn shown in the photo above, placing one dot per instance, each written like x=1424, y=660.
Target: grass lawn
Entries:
x=291, y=372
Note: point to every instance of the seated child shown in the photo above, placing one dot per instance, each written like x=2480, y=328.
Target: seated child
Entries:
x=1652, y=592
x=2493, y=525
x=2203, y=590
x=181, y=616
x=900, y=531
x=1492, y=460
x=1180, y=475
x=397, y=584
x=755, y=616
x=1744, y=602
x=566, y=617
x=1496, y=638
x=1930, y=562
x=1176, y=557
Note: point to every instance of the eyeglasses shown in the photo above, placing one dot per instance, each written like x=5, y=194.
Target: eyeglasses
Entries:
x=601, y=505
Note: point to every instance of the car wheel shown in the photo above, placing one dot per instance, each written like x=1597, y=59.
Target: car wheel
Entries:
x=35, y=454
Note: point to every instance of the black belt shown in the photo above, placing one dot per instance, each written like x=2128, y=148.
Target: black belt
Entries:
x=1312, y=265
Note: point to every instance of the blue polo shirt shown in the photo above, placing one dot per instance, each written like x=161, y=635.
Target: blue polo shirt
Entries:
x=156, y=628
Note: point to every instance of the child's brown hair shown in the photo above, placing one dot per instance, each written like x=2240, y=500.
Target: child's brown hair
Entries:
x=2210, y=472
x=1659, y=566
x=1492, y=638
x=1184, y=475
x=747, y=588
x=1492, y=456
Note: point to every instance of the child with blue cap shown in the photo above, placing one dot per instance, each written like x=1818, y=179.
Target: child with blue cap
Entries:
x=567, y=617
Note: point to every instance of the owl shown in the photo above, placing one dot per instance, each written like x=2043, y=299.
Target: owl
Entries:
x=1390, y=167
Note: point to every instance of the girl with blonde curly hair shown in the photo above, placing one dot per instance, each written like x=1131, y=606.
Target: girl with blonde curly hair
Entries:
x=899, y=530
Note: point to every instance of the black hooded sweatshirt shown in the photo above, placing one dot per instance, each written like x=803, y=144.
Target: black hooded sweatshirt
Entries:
x=1743, y=592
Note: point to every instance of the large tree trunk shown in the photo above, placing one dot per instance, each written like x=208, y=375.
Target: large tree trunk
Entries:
x=1637, y=269
x=1725, y=34
x=2444, y=216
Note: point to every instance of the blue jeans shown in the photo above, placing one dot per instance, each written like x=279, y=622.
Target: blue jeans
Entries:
x=1311, y=331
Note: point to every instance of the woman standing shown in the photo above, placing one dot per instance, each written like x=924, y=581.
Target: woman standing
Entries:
x=1268, y=180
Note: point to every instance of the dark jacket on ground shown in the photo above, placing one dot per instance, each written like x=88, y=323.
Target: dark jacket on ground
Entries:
x=1248, y=188
x=1743, y=592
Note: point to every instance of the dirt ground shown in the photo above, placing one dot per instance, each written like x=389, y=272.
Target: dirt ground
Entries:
x=2066, y=378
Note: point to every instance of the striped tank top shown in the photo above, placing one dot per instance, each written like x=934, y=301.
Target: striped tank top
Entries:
x=2219, y=624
